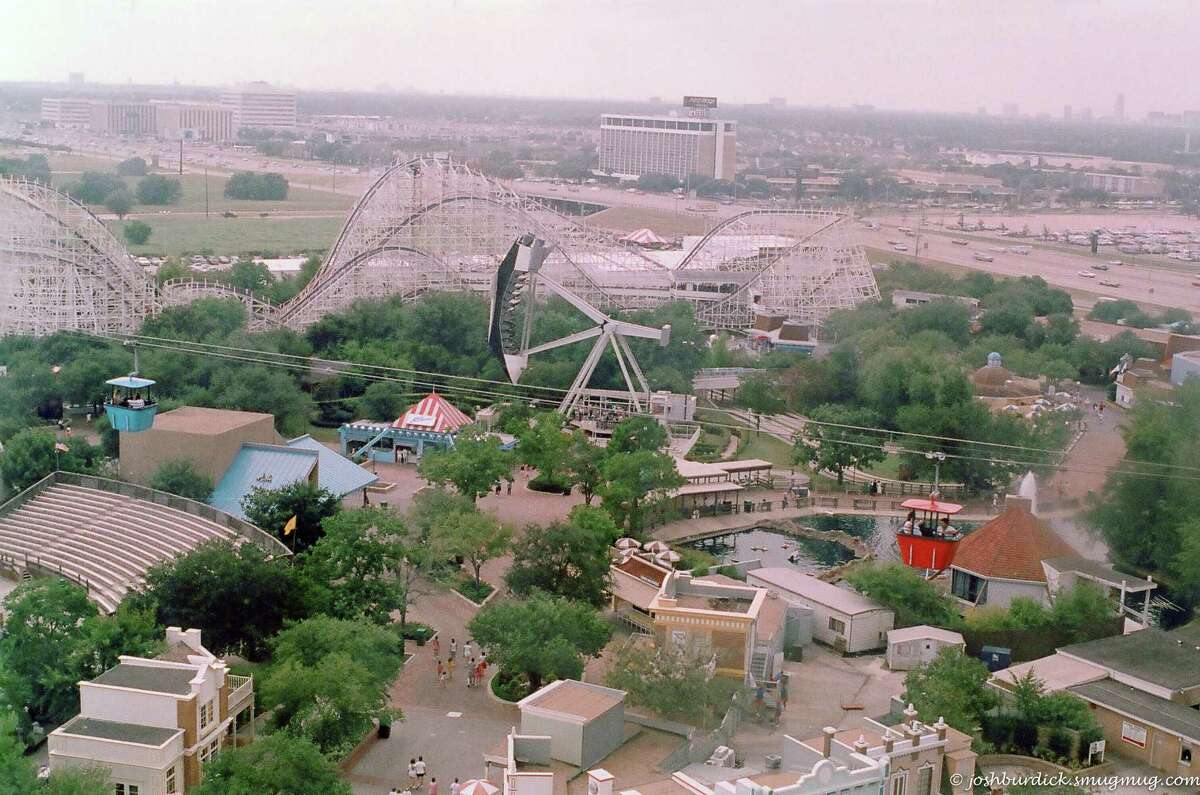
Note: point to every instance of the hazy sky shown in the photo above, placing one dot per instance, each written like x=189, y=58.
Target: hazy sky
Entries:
x=910, y=54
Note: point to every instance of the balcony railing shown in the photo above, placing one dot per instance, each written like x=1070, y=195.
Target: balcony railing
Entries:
x=240, y=688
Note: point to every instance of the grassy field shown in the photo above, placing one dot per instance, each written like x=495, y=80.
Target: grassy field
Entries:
x=172, y=236
x=664, y=222
x=766, y=447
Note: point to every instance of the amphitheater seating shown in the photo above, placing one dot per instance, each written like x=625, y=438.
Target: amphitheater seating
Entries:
x=107, y=540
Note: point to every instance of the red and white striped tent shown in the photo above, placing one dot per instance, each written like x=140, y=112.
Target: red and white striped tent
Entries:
x=433, y=414
x=644, y=237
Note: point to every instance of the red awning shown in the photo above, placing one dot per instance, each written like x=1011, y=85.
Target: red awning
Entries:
x=929, y=504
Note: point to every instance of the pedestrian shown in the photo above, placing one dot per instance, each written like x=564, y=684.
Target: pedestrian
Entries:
x=497, y=488
x=450, y=668
x=454, y=787
x=442, y=678
x=509, y=487
x=467, y=649
x=480, y=670
x=412, y=774
x=453, y=648
x=437, y=647
x=421, y=771
x=433, y=786
x=470, y=673
x=440, y=670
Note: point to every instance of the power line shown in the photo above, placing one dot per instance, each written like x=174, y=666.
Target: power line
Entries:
x=305, y=363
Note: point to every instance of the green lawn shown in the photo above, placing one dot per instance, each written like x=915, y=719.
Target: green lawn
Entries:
x=197, y=235
x=766, y=447
x=887, y=468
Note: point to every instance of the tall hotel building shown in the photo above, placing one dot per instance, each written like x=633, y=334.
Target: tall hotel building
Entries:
x=261, y=105
x=631, y=146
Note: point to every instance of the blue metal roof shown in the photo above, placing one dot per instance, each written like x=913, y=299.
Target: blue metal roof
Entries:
x=268, y=466
x=335, y=473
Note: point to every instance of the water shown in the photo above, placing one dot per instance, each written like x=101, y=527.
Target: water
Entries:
x=774, y=548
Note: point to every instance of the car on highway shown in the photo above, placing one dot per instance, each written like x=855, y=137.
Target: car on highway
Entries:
x=900, y=247
x=961, y=242
x=1100, y=266
x=1087, y=274
x=979, y=255
x=1196, y=283
x=1108, y=283
x=1116, y=263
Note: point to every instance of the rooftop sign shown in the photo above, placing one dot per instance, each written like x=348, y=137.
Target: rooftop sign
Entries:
x=699, y=102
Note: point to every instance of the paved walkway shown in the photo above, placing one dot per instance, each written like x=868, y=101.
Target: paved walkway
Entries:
x=450, y=727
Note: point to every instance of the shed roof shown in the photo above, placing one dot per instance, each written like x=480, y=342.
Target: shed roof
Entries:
x=1011, y=547
x=206, y=421
x=1150, y=654
x=923, y=632
x=335, y=473
x=1056, y=672
x=268, y=466
x=155, y=678
x=808, y=587
x=121, y=732
x=575, y=699
x=1175, y=718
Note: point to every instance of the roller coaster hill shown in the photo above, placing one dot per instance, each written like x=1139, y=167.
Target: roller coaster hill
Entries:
x=432, y=224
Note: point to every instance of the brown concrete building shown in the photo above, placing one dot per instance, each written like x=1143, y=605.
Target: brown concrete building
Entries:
x=209, y=438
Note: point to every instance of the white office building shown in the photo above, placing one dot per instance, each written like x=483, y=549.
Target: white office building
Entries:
x=631, y=146
x=261, y=105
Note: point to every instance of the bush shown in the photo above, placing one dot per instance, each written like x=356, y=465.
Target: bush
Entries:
x=475, y=591
x=510, y=687
x=998, y=729
x=1059, y=743
x=137, y=232
x=256, y=187
x=94, y=187
x=415, y=630
x=157, y=189
x=133, y=167
x=550, y=486
x=1025, y=736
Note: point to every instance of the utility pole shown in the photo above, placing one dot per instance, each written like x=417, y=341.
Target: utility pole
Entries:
x=181, y=154
x=206, y=193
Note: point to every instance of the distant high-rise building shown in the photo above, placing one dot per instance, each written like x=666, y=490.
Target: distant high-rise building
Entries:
x=1085, y=114
x=981, y=111
x=777, y=102
x=1011, y=109
x=67, y=112
x=1066, y=112
x=124, y=118
x=75, y=78
x=1119, y=108
x=631, y=146
x=194, y=121
x=655, y=100
x=261, y=105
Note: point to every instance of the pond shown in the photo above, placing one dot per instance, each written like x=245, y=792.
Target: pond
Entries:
x=811, y=555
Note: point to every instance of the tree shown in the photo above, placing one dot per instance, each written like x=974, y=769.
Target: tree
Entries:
x=119, y=202
x=834, y=448
x=953, y=687
x=157, y=189
x=474, y=536
x=637, y=434
x=760, y=394
x=179, y=476
x=271, y=509
x=914, y=599
x=582, y=462
x=234, y=595
x=276, y=763
x=382, y=400
x=249, y=276
x=17, y=774
x=543, y=446
x=329, y=679
x=357, y=562
x=562, y=559
x=541, y=637
x=30, y=455
x=94, y=187
x=86, y=780
x=657, y=183
x=137, y=232
x=675, y=684
x=474, y=465
x=42, y=630
x=256, y=187
x=133, y=167
x=634, y=480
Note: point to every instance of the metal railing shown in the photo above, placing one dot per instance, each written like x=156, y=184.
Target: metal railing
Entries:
x=239, y=688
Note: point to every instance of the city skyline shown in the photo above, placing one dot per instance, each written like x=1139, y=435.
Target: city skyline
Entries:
x=633, y=50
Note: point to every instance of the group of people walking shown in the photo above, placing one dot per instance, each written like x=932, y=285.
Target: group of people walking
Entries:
x=476, y=667
x=416, y=780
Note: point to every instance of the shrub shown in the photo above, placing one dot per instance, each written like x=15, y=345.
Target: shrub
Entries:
x=998, y=729
x=137, y=232
x=475, y=591
x=510, y=687
x=133, y=167
x=1059, y=742
x=1025, y=736
x=157, y=189
x=257, y=187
